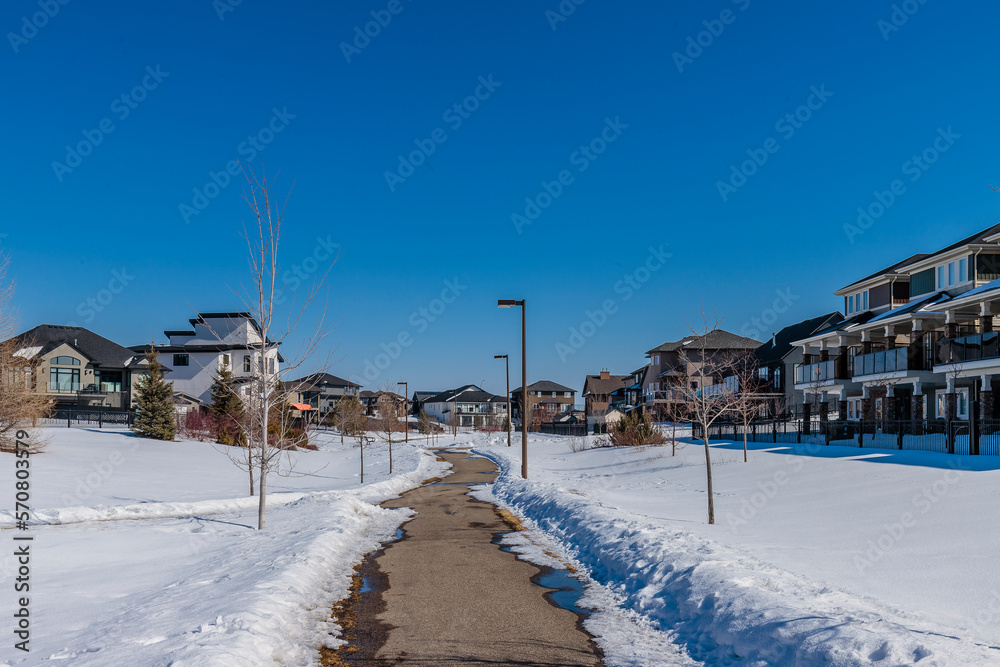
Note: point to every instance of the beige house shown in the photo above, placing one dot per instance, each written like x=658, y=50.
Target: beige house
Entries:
x=77, y=368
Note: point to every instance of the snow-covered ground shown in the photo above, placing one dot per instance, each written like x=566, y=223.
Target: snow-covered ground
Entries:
x=144, y=552
x=820, y=555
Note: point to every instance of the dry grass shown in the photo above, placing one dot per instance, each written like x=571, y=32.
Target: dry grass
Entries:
x=430, y=480
x=344, y=615
x=510, y=519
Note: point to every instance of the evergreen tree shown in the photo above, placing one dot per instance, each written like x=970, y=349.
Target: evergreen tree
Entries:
x=154, y=396
x=424, y=422
x=227, y=409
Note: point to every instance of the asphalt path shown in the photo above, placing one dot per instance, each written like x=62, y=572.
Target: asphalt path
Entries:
x=446, y=594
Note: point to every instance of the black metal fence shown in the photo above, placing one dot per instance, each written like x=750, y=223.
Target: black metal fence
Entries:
x=563, y=429
x=957, y=436
x=72, y=417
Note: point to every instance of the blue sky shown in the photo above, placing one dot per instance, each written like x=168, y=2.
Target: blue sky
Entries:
x=640, y=137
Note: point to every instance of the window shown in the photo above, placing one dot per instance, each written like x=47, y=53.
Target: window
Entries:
x=270, y=365
x=961, y=403
x=656, y=360
x=65, y=361
x=763, y=372
x=246, y=363
x=181, y=360
x=777, y=379
x=865, y=293
x=567, y=394
x=940, y=276
x=64, y=379
x=951, y=273
x=227, y=360
x=963, y=272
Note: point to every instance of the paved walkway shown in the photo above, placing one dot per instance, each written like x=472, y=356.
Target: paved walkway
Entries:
x=446, y=595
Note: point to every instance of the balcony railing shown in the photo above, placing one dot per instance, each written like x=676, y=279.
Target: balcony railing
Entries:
x=64, y=387
x=886, y=361
x=969, y=348
x=817, y=372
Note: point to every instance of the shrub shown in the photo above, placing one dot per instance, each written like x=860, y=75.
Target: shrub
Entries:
x=634, y=430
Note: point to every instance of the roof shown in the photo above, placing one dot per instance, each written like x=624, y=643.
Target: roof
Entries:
x=780, y=345
x=469, y=393
x=303, y=407
x=978, y=237
x=595, y=384
x=889, y=269
x=100, y=350
x=716, y=339
x=421, y=396
x=913, y=306
x=322, y=380
x=545, y=385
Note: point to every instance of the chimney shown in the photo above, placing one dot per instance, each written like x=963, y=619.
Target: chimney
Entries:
x=605, y=375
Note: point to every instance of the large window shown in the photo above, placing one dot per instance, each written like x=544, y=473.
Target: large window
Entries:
x=182, y=360
x=64, y=379
x=108, y=380
x=961, y=403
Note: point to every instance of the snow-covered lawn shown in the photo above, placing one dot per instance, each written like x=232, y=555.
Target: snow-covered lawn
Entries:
x=186, y=580
x=820, y=555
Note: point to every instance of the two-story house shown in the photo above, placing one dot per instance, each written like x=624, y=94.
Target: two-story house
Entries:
x=468, y=405
x=193, y=356
x=547, y=402
x=321, y=391
x=776, y=360
x=687, y=364
x=598, y=392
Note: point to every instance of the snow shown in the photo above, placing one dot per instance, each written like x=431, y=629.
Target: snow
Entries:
x=821, y=555
x=187, y=581
x=144, y=552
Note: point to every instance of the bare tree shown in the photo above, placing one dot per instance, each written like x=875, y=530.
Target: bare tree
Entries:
x=744, y=374
x=268, y=430
x=21, y=405
x=706, y=399
x=387, y=422
x=453, y=421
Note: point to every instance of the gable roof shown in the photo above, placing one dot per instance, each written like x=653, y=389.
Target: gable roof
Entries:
x=100, y=350
x=595, y=384
x=716, y=339
x=468, y=393
x=544, y=385
x=894, y=268
x=320, y=380
x=780, y=345
x=978, y=237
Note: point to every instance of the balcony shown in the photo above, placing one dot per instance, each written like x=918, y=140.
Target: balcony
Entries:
x=886, y=361
x=969, y=348
x=817, y=372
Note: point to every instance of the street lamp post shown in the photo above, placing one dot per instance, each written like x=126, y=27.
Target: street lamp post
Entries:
x=506, y=362
x=406, y=411
x=508, y=303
